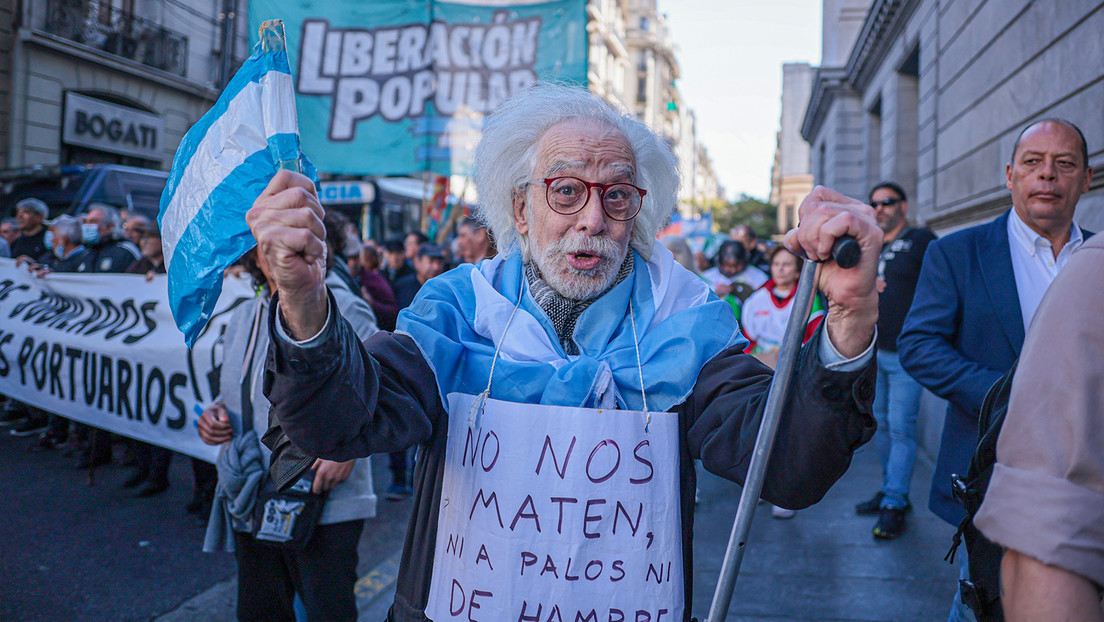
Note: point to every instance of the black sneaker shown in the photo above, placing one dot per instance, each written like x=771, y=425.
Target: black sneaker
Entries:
x=30, y=427
x=891, y=523
x=871, y=505
x=50, y=439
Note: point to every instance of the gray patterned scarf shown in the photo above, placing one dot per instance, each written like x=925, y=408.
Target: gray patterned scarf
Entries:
x=563, y=311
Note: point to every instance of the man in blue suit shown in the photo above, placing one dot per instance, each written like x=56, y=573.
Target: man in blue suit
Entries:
x=979, y=287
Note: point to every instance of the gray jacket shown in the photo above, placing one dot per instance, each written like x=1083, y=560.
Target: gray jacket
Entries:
x=354, y=498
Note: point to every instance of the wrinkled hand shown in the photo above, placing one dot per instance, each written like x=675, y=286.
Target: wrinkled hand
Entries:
x=214, y=424
x=826, y=215
x=329, y=474
x=25, y=259
x=286, y=220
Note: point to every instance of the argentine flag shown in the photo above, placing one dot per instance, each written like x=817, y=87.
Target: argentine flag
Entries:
x=223, y=163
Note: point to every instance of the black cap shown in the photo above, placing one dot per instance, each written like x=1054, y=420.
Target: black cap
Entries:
x=394, y=245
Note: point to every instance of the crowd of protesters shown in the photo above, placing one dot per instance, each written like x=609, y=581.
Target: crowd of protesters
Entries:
x=758, y=278
x=105, y=239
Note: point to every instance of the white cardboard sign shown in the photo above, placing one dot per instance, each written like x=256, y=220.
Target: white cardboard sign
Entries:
x=558, y=513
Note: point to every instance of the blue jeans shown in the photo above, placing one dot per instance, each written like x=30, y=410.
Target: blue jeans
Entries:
x=959, y=611
x=896, y=402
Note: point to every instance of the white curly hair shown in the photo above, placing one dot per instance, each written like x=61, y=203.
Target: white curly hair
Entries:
x=505, y=160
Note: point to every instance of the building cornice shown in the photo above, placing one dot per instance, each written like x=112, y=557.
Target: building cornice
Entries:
x=883, y=24
x=827, y=82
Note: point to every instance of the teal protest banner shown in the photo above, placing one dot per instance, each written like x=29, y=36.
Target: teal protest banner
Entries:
x=395, y=87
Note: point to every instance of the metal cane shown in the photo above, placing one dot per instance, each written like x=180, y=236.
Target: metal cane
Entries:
x=846, y=252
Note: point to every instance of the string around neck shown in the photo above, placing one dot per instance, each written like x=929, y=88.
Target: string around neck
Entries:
x=640, y=368
x=475, y=413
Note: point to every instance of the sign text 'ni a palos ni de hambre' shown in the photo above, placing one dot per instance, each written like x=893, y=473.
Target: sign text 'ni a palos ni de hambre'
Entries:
x=394, y=87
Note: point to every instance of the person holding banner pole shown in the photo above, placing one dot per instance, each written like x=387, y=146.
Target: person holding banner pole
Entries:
x=108, y=251
x=151, y=461
x=559, y=393
x=64, y=253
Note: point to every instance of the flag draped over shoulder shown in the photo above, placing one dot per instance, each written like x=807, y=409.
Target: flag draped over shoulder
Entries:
x=223, y=163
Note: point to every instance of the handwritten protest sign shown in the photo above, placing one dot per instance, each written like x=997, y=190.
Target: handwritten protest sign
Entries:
x=558, y=513
x=103, y=349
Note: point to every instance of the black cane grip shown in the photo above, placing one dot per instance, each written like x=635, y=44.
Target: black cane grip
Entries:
x=846, y=252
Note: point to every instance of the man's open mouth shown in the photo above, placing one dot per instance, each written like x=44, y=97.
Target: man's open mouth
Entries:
x=584, y=260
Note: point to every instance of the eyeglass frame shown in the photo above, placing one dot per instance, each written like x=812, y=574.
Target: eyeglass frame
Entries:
x=886, y=202
x=601, y=195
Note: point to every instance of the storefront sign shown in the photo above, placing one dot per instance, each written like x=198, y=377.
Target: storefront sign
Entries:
x=346, y=192
x=97, y=124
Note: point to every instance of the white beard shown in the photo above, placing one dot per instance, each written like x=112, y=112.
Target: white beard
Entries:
x=572, y=283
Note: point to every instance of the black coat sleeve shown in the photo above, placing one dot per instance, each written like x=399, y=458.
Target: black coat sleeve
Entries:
x=336, y=401
x=827, y=416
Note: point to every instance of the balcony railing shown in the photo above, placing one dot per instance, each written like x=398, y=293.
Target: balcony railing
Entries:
x=104, y=27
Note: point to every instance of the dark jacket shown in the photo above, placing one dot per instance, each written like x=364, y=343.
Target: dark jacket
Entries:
x=32, y=246
x=344, y=399
x=144, y=265
x=405, y=290
x=112, y=254
x=963, y=332
x=395, y=275
x=382, y=298
x=77, y=261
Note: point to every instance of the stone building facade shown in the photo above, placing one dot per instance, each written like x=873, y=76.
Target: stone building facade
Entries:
x=932, y=94
x=791, y=178
x=110, y=81
x=608, y=59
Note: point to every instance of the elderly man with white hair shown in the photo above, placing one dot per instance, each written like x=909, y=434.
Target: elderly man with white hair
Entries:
x=559, y=392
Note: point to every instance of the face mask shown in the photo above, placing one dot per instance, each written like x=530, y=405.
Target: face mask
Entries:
x=49, y=239
x=90, y=234
x=59, y=252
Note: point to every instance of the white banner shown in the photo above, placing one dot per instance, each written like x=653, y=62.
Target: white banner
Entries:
x=558, y=513
x=103, y=349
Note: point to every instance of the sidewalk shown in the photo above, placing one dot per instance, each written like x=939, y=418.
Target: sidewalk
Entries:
x=824, y=564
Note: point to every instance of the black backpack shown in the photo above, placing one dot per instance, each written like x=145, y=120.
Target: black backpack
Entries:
x=981, y=592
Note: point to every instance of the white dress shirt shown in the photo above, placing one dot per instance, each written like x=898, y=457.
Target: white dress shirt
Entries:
x=1034, y=264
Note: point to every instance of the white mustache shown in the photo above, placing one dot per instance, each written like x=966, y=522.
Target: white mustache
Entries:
x=602, y=246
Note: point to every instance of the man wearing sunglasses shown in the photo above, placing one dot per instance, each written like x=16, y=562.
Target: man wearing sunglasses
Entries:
x=897, y=397
x=582, y=365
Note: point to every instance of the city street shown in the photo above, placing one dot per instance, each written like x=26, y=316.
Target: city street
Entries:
x=95, y=553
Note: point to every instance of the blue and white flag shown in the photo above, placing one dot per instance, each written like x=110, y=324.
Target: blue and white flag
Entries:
x=659, y=326
x=222, y=165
